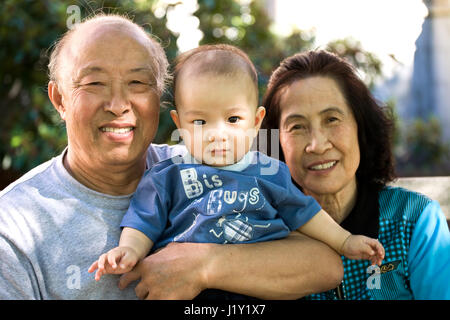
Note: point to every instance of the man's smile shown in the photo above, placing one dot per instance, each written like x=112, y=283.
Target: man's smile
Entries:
x=117, y=130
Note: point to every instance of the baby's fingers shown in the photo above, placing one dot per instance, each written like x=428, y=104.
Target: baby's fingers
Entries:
x=128, y=261
x=378, y=255
x=373, y=261
x=99, y=274
x=367, y=251
x=112, y=260
x=93, y=267
x=380, y=250
x=101, y=262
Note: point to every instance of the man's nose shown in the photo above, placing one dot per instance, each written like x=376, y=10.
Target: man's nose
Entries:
x=118, y=103
x=318, y=142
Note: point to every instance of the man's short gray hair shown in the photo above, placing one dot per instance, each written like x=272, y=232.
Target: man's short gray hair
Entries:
x=159, y=64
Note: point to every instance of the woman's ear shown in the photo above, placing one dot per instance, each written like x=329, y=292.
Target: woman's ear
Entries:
x=259, y=117
x=57, y=99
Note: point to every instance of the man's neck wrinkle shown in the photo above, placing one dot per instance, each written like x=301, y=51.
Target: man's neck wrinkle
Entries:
x=113, y=180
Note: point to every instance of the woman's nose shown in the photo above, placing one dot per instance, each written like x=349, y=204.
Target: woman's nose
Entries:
x=318, y=142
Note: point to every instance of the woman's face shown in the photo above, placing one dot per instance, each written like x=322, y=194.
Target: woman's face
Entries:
x=319, y=136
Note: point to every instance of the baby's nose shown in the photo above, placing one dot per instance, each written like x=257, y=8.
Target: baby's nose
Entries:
x=218, y=134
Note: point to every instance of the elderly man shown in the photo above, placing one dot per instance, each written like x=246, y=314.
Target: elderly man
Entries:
x=106, y=79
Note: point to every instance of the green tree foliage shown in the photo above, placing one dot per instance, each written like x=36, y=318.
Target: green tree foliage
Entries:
x=419, y=146
x=32, y=131
x=422, y=150
x=246, y=24
x=368, y=65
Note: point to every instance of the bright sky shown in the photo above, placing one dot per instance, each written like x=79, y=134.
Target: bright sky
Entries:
x=383, y=27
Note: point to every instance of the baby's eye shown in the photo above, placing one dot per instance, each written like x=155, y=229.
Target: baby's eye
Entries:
x=199, y=122
x=233, y=119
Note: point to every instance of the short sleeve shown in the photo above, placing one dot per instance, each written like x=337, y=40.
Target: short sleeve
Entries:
x=148, y=207
x=294, y=207
x=17, y=281
x=161, y=152
x=429, y=255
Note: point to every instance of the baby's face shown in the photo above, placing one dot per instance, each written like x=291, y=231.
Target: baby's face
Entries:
x=218, y=117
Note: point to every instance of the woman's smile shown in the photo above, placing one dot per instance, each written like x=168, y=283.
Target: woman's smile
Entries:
x=323, y=166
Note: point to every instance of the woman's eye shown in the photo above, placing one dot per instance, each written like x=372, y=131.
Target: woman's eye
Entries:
x=297, y=127
x=199, y=122
x=136, y=82
x=233, y=119
x=95, y=83
x=332, y=119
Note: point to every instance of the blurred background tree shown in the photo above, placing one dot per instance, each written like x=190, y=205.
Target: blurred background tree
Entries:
x=423, y=152
x=368, y=64
x=32, y=131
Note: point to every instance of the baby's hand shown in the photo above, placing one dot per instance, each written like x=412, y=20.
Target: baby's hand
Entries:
x=116, y=261
x=362, y=247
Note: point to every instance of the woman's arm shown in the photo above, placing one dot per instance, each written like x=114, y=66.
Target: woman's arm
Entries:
x=429, y=255
x=283, y=269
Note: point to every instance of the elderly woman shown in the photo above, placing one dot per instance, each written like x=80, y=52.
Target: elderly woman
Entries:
x=335, y=139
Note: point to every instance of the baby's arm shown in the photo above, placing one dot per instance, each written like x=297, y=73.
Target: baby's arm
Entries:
x=133, y=246
x=322, y=227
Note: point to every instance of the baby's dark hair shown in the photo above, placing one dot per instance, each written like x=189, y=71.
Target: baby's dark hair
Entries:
x=216, y=59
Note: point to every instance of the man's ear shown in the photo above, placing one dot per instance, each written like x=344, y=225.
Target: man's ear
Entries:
x=56, y=98
x=259, y=117
x=175, y=118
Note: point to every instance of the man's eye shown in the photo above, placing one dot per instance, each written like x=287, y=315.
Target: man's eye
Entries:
x=199, y=122
x=95, y=83
x=233, y=119
x=136, y=82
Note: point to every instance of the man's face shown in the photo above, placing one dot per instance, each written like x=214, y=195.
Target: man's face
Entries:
x=109, y=99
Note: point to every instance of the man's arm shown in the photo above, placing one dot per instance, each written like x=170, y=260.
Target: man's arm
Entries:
x=283, y=269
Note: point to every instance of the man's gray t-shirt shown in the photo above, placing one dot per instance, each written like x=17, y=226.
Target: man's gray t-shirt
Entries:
x=52, y=228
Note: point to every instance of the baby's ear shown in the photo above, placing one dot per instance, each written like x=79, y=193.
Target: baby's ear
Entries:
x=175, y=118
x=259, y=117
